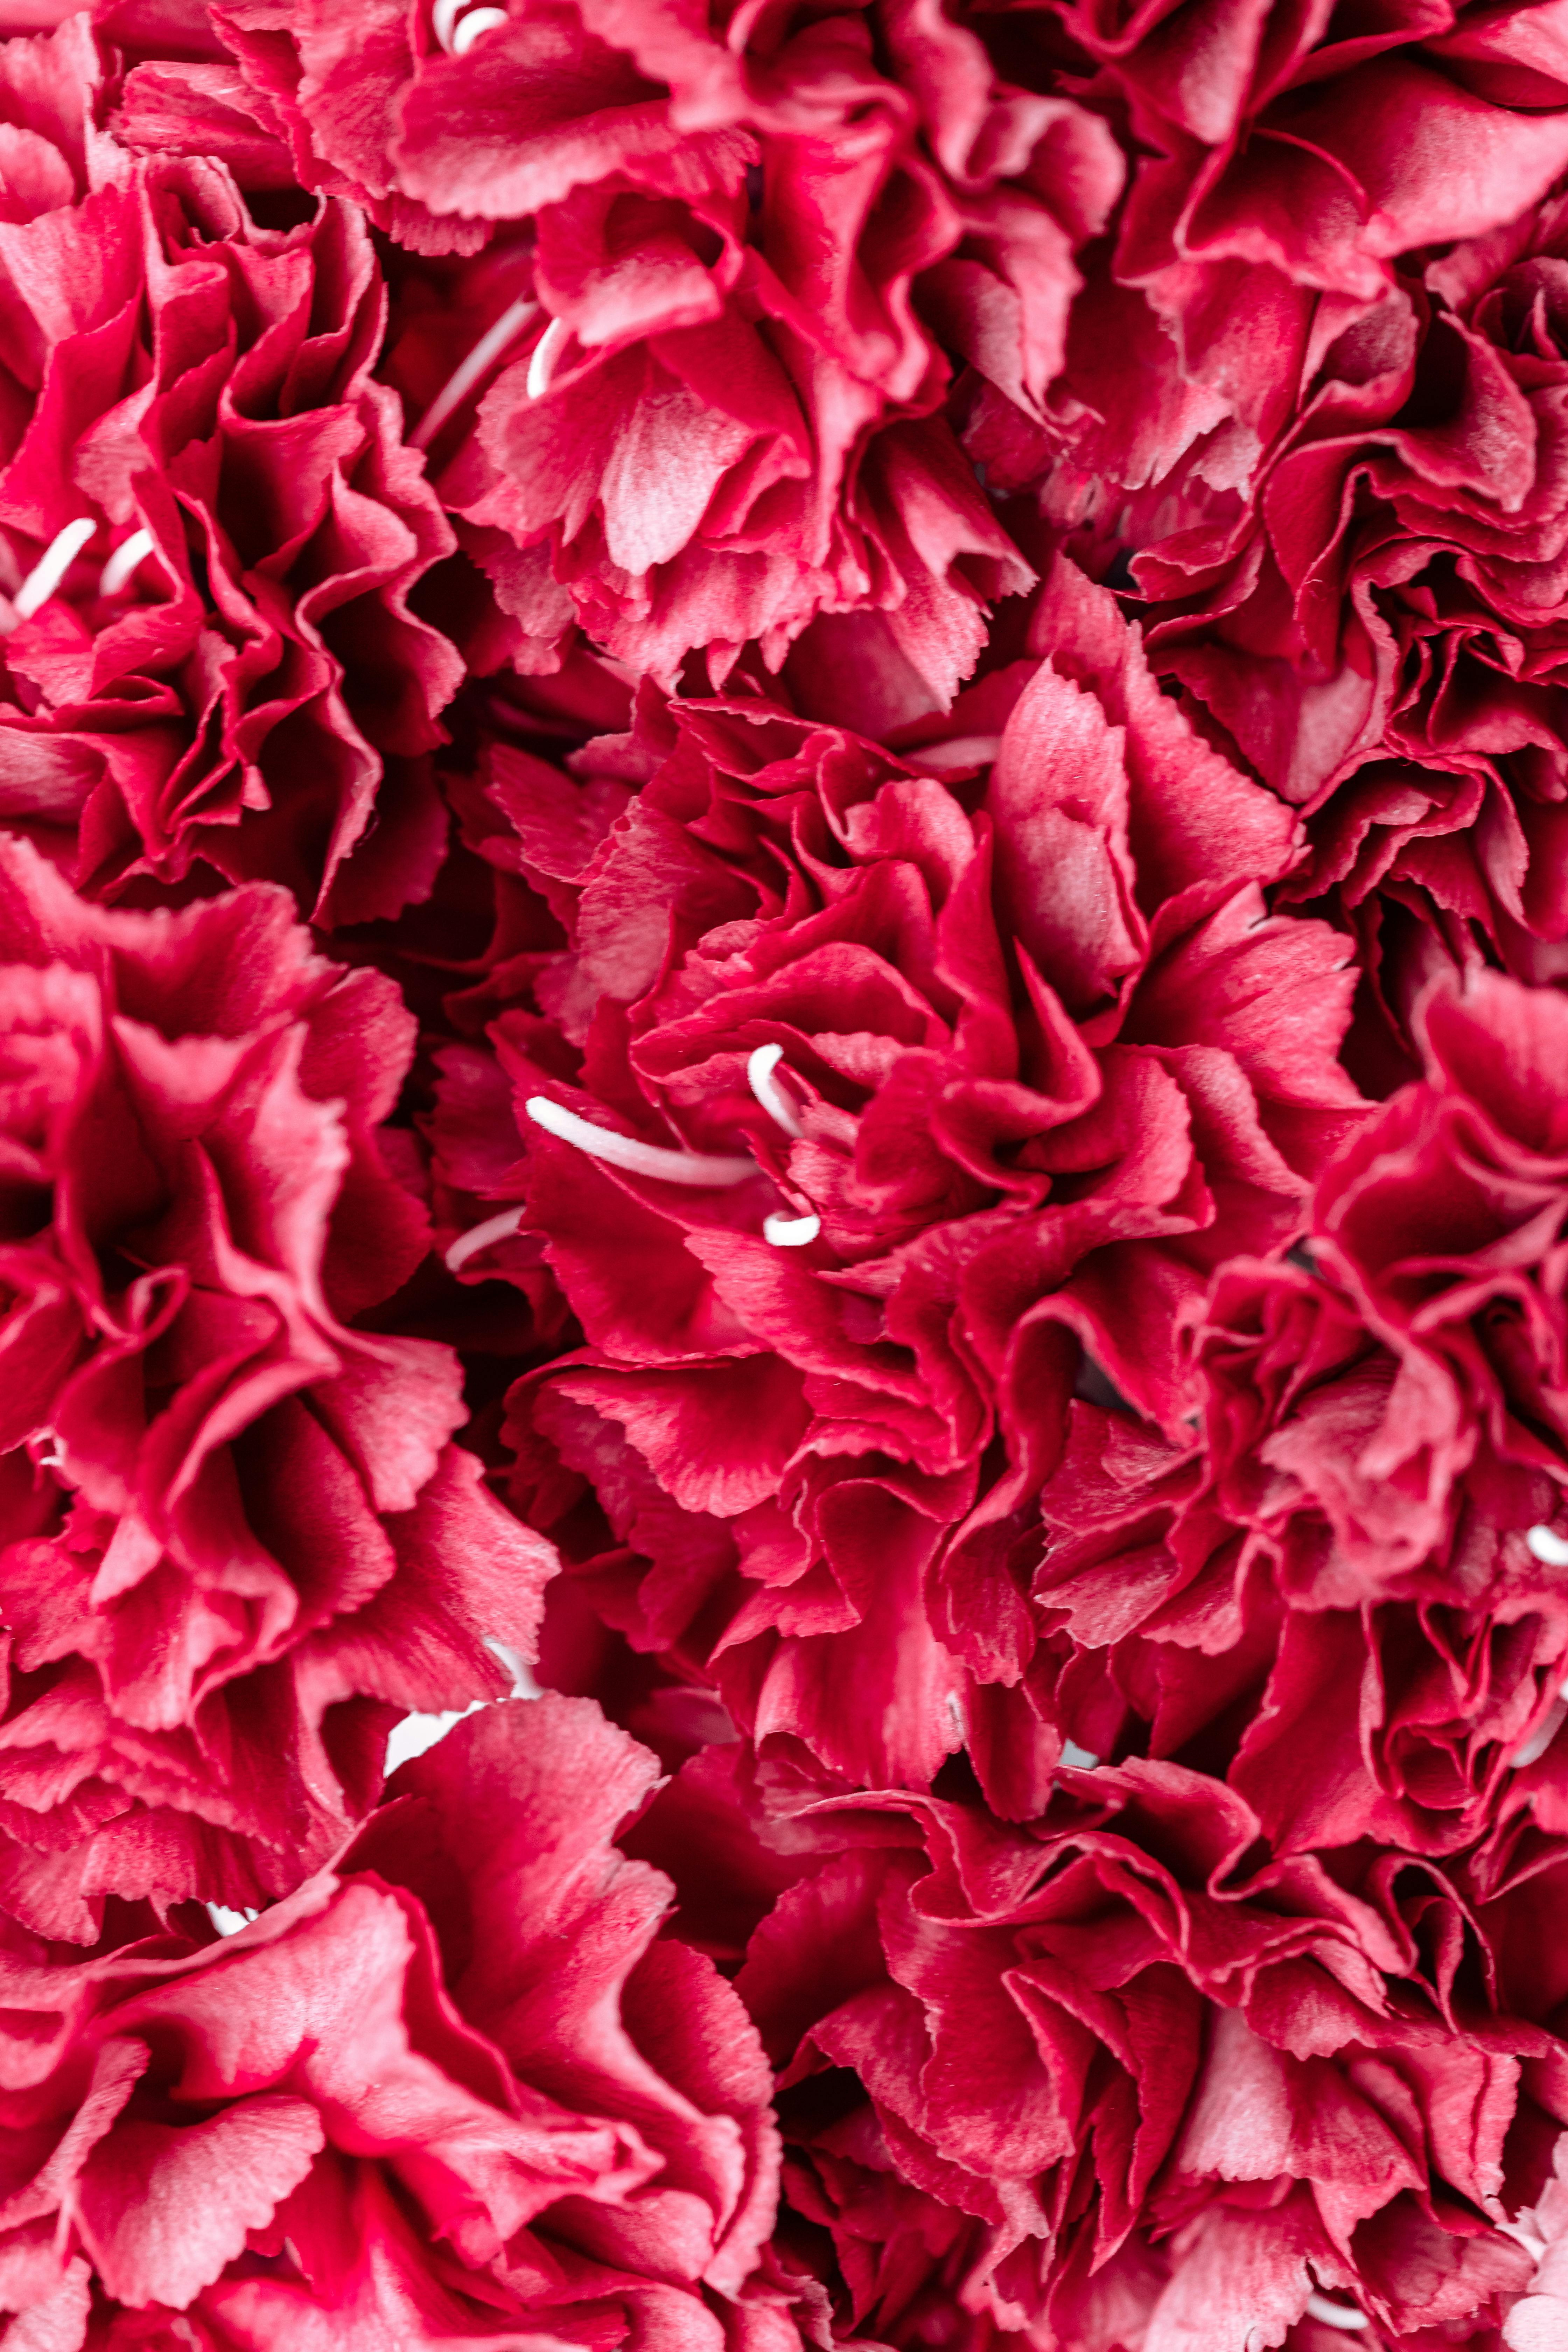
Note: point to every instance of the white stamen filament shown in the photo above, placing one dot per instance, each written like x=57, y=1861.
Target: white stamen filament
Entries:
x=1336, y=2315
x=1547, y=1545
x=637, y=1158
x=52, y=566
x=477, y=21
x=126, y=560
x=958, y=751
x=1545, y=1732
x=790, y=1233
x=1077, y=1759
x=498, y=1228
x=227, y=1922
x=760, y=1077
x=443, y=17
x=546, y=352
x=461, y=382
x=418, y=1733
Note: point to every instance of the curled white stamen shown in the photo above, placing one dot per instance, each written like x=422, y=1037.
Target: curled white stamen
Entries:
x=1336, y=2315
x=1545, y=1732
x=1077, y=1759
x=498, y=1228
x=477, y=21
x=1549, y=1546
x=462, y=380
x=760, y=1077
x=126, y=559
x=546, y=352
x=790, y=1233
x=443, y=17
x=52, y=566
x=637, y=1158
x=227, y=1922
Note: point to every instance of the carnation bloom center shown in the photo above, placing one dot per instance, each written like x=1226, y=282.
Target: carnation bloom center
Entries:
x=48, y=574
x=699, y=1170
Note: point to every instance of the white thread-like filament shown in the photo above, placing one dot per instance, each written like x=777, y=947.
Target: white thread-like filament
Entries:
x=759, y=1069
x=229, y=1922
x=790, y=1233
x=477, y=22
x=546, y=352
x=1549, y=1546
x=443, y=17
x=52, y=566
x=1336, y=2315
x=637, y=1158
x=958, y=751
x=498, y=1228
x=461, y=382
x=125, y=560
x=1545, y=1732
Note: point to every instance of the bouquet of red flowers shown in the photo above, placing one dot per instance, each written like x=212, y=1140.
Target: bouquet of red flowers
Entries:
x=783, y=1176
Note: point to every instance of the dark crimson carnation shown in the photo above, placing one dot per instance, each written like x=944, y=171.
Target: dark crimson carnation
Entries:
x=1119, y=2081
x=1374, y=615
x=1398, y=571
x=1335, y=1596
x=754, y=238
x=1288, y=159
x=458, y=2089
x=238, y=1539
x=209, y=527
x=1292, y=153
x=1039, y=1057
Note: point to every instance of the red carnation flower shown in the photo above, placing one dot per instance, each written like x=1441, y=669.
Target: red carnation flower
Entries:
x=748, y=242
x=237, y=1541
x=1287, y=161
x=1398, y=571
x=458, y=2088
x=1349, y=1596
x=861, y=1096
x=1117, y=2078
x=209, y=531
x=1371, y=612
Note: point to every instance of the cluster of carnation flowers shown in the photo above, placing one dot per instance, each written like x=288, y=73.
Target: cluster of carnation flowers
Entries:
x=783, y=1176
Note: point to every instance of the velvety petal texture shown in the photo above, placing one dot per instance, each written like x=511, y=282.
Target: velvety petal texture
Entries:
x=238, y=1537
x=1034, y=1055
x=783, y=1175
x=391, y=2109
